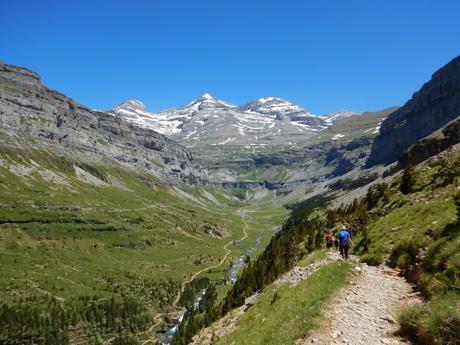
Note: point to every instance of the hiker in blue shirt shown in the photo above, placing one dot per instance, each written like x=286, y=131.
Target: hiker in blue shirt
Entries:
x=344, y=241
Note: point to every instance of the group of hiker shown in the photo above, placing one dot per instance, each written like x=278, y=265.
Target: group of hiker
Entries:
x=342, y=240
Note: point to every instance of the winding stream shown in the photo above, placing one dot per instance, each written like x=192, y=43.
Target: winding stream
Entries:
x=169, y=334
x=240, y=261
x=237, y=265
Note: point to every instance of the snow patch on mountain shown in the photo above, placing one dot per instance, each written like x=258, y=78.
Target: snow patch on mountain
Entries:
x=338, y=136
x=338, y=115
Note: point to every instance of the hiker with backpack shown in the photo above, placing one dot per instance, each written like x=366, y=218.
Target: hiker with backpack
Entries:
x=344, y=242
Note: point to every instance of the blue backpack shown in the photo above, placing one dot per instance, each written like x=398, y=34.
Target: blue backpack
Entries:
x=344, y=237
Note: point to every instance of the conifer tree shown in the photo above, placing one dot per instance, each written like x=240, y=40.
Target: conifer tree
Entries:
x=408, y=180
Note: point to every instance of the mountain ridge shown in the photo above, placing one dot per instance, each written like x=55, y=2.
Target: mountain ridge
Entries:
x=48, y=119
x=263, y=119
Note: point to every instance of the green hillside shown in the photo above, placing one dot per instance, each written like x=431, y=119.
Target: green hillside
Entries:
x=89, y=239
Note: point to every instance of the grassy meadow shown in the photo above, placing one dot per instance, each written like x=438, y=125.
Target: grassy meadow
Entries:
x=73, y=230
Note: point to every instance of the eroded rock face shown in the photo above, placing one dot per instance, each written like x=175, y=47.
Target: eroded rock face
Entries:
x=48, y=119
x=430, y=146
x=432, y=107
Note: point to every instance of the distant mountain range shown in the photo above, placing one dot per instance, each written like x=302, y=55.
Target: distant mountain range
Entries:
x=209, y=121
x=266, y=142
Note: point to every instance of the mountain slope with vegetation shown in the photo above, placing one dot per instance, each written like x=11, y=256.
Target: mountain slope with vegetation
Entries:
x=411, y=224
x=102, y=251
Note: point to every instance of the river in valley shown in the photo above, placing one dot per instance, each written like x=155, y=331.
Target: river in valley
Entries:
x=237, y=265
x=169, y=334
x=240, y=261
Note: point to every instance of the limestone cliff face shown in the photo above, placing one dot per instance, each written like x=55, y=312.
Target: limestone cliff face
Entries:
x=32, y=114
x=431, y=145
x=432, y=107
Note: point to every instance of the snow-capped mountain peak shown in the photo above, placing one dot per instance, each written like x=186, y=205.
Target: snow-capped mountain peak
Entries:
x=131, y=104
x=338, y=115
x=206, y=100
x=209, y=121
x=206, y=96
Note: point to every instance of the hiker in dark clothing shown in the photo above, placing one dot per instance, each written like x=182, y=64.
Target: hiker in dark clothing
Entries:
x=329, y=240
x=344, y=242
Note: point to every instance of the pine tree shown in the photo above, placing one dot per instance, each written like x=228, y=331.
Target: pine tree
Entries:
x=408, y=180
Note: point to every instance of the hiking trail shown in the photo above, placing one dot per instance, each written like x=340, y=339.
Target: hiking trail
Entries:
x=364, y=313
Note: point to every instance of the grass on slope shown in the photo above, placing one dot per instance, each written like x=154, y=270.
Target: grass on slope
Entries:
x=273, y=174
x=124, y=235
x=434, y=322
x=414, y=220
x=313, y=257
x=286, y=313
x=85, y=231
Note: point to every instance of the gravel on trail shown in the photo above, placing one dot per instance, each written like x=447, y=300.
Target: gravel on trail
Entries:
x=364, y=313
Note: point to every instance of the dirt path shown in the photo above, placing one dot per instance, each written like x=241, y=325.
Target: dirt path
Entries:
x=222, y=261
x=227, y=253
x=364, y=313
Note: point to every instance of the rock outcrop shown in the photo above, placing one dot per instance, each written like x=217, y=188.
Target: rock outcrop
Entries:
x=432, y=107
x=430, y=146
x=31, y=114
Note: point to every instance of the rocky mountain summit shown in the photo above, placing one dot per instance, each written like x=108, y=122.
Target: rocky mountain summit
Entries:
x=209, y=121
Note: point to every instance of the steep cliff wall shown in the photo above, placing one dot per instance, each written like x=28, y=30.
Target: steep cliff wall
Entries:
x=432, y=107
x=32, y=114
x=431, y=145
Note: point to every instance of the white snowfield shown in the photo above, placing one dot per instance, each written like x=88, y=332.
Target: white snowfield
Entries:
x=215, y=122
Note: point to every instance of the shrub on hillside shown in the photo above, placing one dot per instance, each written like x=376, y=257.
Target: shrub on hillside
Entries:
x=407, y=180
x=126, y=340
x=449, y=170
x=372, y=259
x=95, y=171
x=404, y=254
x=437, y=322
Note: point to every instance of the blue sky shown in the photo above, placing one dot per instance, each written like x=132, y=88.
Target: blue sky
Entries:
x=324, y=55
